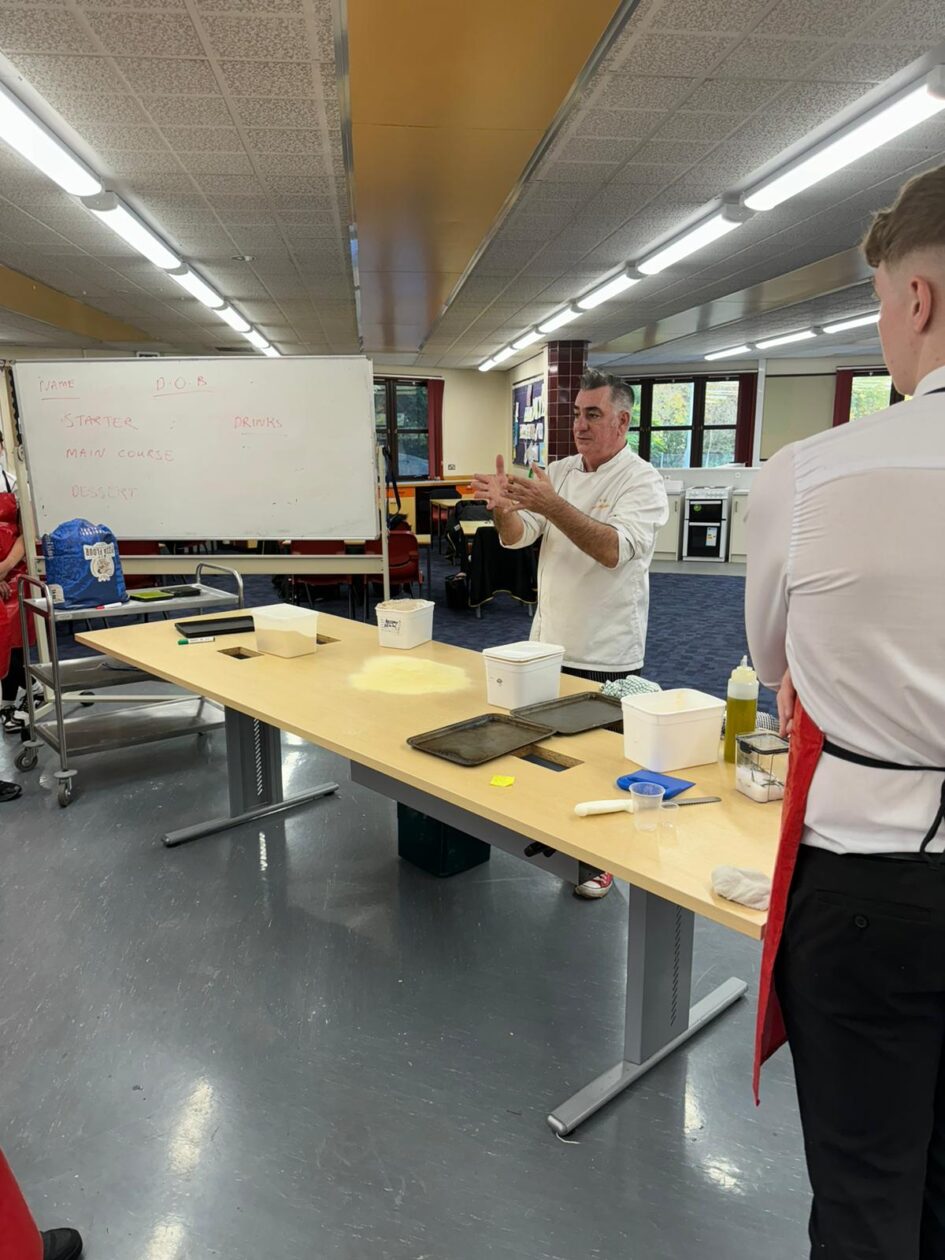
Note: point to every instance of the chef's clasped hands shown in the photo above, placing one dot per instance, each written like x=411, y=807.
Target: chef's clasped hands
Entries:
x=504, y=493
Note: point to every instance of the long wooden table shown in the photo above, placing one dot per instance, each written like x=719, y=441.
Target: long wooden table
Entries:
x=669, y=872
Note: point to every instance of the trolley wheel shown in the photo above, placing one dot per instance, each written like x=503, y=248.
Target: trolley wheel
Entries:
x=64, y=792
x=86, y=704
x=26, y=759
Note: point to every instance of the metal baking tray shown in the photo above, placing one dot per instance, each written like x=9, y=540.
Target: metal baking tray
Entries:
x=571, y=715
x=197, y=627
x=480, y=739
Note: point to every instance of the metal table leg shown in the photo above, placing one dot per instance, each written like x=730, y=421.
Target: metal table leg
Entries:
x=659, y=1017
x=254, y=771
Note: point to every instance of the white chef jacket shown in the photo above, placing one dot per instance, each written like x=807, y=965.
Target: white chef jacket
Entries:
x=598, y=614
x=846, y=584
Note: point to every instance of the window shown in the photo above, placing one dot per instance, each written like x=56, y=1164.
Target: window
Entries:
x=402, y=424
x=869, y=394
x=693, y=422
x=860, y=392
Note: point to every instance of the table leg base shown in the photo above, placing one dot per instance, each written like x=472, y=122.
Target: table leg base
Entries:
x=567, y=1117
x=215, y=825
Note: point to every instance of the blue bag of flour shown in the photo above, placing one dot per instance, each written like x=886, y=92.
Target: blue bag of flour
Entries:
x=82, y=561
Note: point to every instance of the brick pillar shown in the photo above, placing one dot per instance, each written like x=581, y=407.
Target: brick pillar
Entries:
x=566, y=361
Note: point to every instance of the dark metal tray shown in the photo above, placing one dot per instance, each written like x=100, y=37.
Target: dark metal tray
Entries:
x=199, y=626
x=571, y=715
x=480, y=739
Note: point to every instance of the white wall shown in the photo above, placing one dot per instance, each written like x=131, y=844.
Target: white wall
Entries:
x=799, y=397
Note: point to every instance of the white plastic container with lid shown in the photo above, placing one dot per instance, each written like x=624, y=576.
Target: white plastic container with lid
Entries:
x=286, y=630
x=671, y=730
x=404, y=623
x=523, y=673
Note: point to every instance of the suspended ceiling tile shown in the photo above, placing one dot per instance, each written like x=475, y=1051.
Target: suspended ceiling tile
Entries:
x=711, y=16
x=264, y=38
x=706, y=129
x=271, y=78
x=259, y=111
x=175, y=5
x=157, y=168
x=161, y=35
x=771, y=59
x=173, y=111
x=230, y=185
x=909, y=19
x=863, y=62
x=231, y=163
x=64, y=74
x=618, y=124
x=732, y=96
x=38, y=30
x=664, y=55
x=204, y=139
x=257, y=6
x=633, y=90
x=164, y=76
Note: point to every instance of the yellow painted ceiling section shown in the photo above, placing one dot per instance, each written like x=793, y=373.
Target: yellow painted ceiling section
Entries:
x=448, y=102
x=29, y=297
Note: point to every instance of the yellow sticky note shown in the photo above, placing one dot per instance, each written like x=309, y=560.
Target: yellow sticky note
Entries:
x=502, y=780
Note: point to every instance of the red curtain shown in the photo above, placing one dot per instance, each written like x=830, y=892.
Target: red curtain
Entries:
x=842, y=397
x=745, y=432
x=435, y=426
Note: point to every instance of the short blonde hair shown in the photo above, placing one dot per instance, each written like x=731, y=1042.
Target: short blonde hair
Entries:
x=915, y=221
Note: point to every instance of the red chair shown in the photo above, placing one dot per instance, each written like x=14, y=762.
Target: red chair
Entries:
x=308, y=581
x=139, y=547
x=403, y=560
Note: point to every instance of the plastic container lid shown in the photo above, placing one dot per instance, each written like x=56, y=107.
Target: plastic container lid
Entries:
x=526, y=650
x=283, y=614
x=674, y=705
x=403, y=605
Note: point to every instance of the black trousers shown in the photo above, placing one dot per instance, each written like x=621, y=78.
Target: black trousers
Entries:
x=15, y=677
x=861, y=980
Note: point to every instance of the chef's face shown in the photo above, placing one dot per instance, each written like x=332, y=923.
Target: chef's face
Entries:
x=600, y=430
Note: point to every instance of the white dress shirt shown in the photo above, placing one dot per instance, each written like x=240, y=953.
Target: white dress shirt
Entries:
x=846, y=584
x=597, y=614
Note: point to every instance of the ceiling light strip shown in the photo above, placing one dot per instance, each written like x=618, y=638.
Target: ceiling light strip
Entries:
x=859, y=321
x=42, y=148
x=786, y=340
x=728, y=354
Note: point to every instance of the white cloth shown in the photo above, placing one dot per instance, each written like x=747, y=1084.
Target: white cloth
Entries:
x=7, y=479
x=846, y=583
x=598, y=614
x=748, y=888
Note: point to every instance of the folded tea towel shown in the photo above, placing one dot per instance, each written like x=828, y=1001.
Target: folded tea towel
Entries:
x=749, y=888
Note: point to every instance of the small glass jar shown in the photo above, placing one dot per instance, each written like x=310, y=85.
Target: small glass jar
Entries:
x=761, y=765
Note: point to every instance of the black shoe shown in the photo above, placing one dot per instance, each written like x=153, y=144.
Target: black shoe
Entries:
x=62, y=1244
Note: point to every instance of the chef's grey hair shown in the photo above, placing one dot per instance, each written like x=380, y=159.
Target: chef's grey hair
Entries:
x=621, y=394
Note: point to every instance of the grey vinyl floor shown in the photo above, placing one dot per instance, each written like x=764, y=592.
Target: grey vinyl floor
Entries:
x=284, y=1042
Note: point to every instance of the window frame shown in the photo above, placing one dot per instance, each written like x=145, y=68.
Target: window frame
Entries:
x=743, y=427
x=392, y=433
x=843, y=391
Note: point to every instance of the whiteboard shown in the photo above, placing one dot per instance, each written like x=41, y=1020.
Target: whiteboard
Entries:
x=202, y=448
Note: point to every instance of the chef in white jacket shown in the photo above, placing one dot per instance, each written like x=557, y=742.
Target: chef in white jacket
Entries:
x=597, y=513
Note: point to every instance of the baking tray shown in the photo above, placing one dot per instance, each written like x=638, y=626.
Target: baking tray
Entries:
x=571, y=715
x=480, y=739
x=197, y=627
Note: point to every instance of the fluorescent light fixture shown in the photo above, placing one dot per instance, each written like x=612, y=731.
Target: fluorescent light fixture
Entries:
x=23, y=131
x=256, y=339
x=272, y=353
x=505, y=353
x=559, y=320
x=696, y=238
x=609, y=289
x=487, y=366
x=728, y=354
x=233, y=318
x=881, y=125
x=527, y=339
x=846, y=324
x=110, y=211
x=197, y=288
x=786, y=340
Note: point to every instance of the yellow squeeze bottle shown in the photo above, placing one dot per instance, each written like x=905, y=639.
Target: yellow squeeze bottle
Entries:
x=741, y=707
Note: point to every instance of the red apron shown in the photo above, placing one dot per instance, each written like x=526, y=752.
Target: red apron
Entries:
x=19, y=1237
x=807, y=742
x=10, y=636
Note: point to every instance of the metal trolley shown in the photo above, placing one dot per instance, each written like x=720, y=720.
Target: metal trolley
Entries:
x=80, y=680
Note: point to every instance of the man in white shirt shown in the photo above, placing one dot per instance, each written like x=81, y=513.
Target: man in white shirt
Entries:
x=597, y=513
x=846, y=592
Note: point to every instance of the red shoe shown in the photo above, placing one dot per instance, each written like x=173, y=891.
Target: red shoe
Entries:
x=598, y=885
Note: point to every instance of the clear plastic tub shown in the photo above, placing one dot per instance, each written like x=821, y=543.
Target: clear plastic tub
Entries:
x=286, y=630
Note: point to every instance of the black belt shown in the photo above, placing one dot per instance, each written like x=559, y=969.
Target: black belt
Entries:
x=858, y=759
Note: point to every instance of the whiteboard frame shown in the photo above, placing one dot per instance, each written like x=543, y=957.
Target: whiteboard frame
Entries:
x=158, y=565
